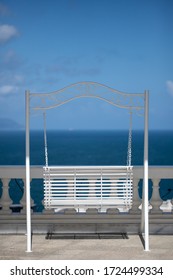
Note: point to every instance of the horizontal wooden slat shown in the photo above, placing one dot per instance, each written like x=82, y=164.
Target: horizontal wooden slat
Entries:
x=87, y=186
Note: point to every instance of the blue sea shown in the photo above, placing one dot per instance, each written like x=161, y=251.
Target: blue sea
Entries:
x=86, y=148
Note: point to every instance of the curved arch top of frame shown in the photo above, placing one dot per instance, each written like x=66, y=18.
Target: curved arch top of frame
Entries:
x=46, y=101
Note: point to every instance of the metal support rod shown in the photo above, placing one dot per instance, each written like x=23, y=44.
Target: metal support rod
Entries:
x=45, y=140
x=28, y=196
x=145, y=181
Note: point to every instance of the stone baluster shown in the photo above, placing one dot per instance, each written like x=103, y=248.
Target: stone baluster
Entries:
x=113, y=190
x=45, y=211
x=42, y=200
x=6, y=200
x=136, y=199
x=32, y=200
x=166, y=206
x=70, y=187
x=92, y=188
x=23, y=199
x=48, y=211
x=156, y=200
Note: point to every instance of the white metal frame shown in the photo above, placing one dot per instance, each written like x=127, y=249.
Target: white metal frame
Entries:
x=88, y=89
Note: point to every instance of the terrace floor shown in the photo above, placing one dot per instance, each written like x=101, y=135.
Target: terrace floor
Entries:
x=13, y=247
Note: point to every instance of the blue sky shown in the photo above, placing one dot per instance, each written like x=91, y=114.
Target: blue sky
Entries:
x=47, y=45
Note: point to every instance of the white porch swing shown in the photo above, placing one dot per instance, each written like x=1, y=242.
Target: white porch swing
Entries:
x=83, y=187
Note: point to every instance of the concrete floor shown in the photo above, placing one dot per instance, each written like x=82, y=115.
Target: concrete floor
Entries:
x=13, y=247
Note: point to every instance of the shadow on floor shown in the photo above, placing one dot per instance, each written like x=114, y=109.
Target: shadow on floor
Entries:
x=51, y=235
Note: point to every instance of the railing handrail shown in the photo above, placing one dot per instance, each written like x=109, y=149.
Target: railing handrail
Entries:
x=18, y=171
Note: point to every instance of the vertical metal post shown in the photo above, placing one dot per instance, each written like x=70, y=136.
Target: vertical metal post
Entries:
x=145, y=181
x=28, y=196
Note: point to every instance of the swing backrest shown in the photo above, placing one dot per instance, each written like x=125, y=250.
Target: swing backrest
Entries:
x=88, y=187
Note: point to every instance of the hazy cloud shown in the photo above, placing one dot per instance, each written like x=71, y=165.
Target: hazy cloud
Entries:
x=7, y=32
x=169, y=85
x=8, y=89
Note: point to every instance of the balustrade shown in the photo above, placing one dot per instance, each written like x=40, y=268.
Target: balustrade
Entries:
x=156, y=174
x=5, y=198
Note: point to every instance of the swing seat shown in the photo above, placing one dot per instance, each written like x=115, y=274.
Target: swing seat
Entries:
x=84, y=187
